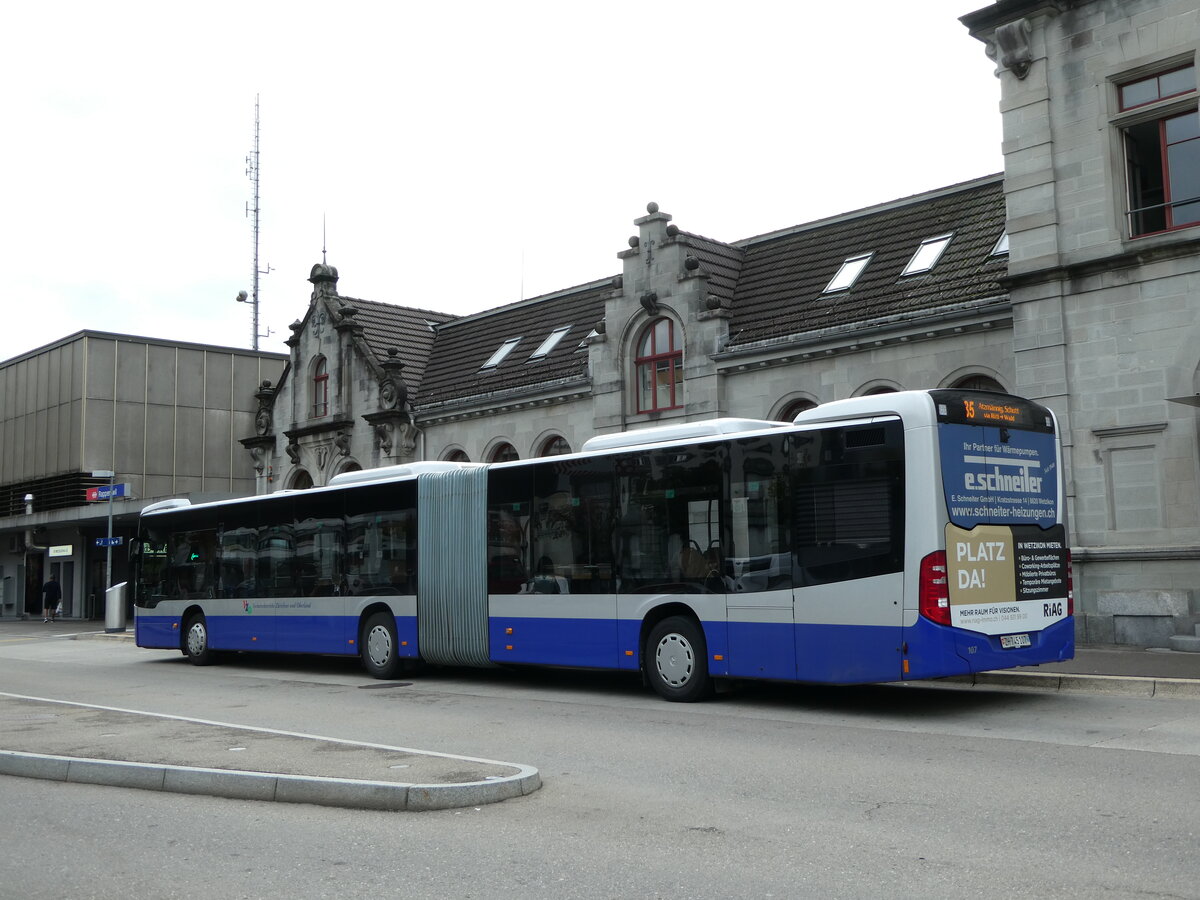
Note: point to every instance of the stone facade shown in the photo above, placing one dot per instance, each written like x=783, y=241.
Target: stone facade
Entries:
x=1105, y=326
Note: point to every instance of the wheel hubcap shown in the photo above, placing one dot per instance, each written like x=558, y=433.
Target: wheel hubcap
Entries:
x=197, y=639
x=675, y=660
x=379, y=645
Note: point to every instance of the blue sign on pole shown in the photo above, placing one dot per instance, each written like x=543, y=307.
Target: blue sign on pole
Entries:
x=111, y=491
x=110, y=541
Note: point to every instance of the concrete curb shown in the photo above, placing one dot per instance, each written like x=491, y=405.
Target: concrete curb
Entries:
x=1127, y=685
x=242, y=785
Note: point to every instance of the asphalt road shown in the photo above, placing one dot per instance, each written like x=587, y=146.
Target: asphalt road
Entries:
x=886, y=791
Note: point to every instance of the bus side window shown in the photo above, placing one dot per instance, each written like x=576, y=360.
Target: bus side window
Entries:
x=848, y=502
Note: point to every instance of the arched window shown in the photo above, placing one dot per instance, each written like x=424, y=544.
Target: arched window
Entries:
x=301, y=481
x=457, y=456
x=503, y=452
x=794, y=409
x=882, y=389
x=554, y=446
x=980, y=383
x=659, y=367
x=320, y=384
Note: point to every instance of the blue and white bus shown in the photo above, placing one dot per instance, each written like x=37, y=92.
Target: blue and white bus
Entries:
x=897, y=536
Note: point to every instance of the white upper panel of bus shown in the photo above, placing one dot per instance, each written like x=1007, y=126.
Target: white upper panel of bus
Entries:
x=684, y=431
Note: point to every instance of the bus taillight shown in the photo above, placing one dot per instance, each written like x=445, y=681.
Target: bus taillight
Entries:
x=935, y=588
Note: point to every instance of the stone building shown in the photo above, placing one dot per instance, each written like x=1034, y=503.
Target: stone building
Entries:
x=901, y=295
x=1102, y=189
x=163, y=417
x=1071, y=279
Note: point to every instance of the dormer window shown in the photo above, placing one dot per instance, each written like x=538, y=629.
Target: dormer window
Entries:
x=498, y=357
x=320, y=385
x=927, y=254
x=848, y=273
x=549, y=343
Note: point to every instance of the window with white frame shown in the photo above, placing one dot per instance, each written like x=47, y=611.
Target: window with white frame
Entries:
x=1161, y=137
x=549, y=343
x=498, y=357
x=848, y=273
x=927, y=254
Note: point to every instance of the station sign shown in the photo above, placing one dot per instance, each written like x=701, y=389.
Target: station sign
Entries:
x=110, y=541
x=107, y=492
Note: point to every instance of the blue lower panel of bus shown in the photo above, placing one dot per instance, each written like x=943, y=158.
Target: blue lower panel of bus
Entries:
x=935, y=650
x=284, y=634
x=157, y=631
x=588, y=643
x=848, y=654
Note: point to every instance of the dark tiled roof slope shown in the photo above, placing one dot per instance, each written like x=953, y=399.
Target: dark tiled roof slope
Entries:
x=386, y=326
x=721, y=262
x=779, y=292
x=463, y=346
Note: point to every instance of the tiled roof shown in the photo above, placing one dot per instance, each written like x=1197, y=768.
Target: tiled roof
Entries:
x=779, y=291
x=386, y=325
x=722, y=263
x=464, y=345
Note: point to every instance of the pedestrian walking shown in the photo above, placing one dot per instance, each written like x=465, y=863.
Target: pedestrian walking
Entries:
x=51, y=597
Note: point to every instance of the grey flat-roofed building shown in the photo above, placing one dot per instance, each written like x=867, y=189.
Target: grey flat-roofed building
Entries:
x=164, y=417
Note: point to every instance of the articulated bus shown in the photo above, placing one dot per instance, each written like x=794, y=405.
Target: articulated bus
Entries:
x=899, y=536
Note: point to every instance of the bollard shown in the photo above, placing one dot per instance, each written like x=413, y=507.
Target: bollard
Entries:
x=114, y=608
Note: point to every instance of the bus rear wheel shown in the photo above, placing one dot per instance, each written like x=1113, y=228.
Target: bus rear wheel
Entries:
x=676, y=660
x=195, y=641
x=380, y=647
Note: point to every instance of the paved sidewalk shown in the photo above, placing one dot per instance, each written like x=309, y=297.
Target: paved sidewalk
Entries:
x=1109, y=669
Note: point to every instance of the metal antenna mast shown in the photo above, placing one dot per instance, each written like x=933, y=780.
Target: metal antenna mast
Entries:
x=252, y=172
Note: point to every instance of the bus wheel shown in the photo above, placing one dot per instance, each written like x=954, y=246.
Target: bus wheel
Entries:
x=380, y=647
x=676, y=660
x=195, y=641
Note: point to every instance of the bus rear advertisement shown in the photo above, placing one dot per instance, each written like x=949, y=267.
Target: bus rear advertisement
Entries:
x=918, y=534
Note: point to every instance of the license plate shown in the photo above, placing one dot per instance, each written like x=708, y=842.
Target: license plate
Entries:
x=1013, y=641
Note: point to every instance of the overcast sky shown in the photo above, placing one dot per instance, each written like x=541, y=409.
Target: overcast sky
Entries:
x=460, y=155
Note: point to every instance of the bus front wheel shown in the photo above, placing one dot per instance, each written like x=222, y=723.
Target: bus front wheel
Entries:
x=676, y=660
x=380, y=647
x=195, y=641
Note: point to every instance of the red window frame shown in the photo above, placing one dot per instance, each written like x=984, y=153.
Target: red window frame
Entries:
x=1157, y=217
x=321, y=388
x=658, y=368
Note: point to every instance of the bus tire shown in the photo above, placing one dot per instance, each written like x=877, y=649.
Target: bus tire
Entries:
x=380, y=647
x=195, y=642
x=676, y=660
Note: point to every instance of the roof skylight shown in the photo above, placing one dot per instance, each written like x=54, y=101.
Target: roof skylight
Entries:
x=498, y=357
x=550, y=343
x=928, y=254
x=1001, y=245
x=848, y=273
